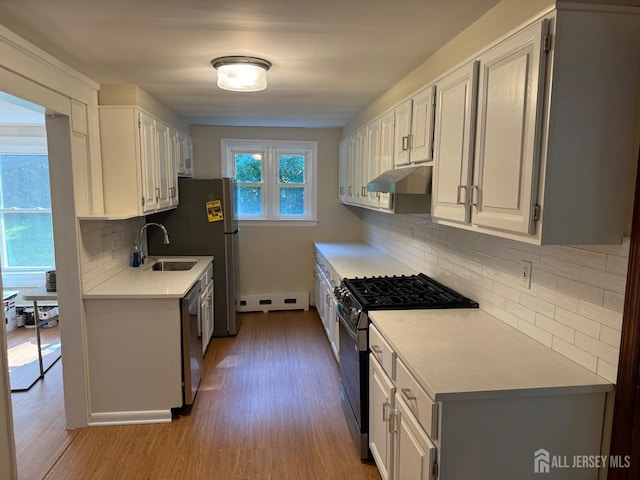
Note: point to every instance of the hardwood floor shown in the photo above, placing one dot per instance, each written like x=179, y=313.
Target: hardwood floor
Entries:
x=268, y=408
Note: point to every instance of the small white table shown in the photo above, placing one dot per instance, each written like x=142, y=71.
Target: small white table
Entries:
x=34, y=295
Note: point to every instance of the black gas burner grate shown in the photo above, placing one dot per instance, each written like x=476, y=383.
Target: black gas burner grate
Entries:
x=405, y=292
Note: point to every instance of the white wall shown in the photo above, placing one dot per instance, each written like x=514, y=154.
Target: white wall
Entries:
x=576, y=298
x=279, y=259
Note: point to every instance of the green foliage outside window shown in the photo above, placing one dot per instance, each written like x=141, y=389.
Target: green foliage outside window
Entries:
x=25, y=215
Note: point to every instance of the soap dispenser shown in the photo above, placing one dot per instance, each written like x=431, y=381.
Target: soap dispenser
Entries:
x=135, y=260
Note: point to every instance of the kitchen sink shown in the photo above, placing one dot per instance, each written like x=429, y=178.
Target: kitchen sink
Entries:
x=172, y=265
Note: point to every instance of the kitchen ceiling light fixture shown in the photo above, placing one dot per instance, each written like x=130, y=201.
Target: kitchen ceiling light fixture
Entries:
x=241, y=74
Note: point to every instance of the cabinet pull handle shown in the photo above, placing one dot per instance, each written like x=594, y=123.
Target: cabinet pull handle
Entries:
x=407, y=393
x=459, y=195
x=157, y=194
x=350, y=190
x=377, y=350
x=405, y=143
x=341, y=190
x=385, y=411
x=475, y=194
x=364, y=191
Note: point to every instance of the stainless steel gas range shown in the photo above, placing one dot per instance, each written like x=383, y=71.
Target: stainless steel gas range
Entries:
x=358, y=296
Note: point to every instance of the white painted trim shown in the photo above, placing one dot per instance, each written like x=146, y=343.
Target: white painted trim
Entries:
x=27, y=48
x=130, y=418
x=307, y=222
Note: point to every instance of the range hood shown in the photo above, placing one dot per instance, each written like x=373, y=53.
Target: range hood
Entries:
x=409, y=180
x=408, y=190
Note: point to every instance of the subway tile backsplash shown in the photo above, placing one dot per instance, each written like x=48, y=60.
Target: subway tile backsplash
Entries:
x=102, y=259
x=575, y=302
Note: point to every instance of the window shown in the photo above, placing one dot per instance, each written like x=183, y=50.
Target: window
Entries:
x=275, y=181
x=26, y=238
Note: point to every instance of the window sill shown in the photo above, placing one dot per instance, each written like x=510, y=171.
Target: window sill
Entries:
x=278, y=223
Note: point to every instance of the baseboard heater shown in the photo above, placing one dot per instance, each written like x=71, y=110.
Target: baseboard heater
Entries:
x=268, y=302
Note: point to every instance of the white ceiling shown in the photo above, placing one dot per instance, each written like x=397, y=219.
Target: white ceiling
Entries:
x=331, y=58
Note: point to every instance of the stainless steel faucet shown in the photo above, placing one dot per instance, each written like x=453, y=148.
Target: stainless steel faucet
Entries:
x=144, y=227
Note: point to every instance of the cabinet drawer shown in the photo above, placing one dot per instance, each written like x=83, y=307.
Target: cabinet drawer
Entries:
x=382, y=351
x=422, y=406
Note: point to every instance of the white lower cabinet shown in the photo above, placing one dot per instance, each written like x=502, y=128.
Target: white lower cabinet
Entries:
x=326, y=301
x=415, y=453
x=471, y=435
x=381, y=403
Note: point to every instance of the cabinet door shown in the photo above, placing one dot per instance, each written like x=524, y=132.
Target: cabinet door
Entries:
x=148, y=157
x=372, y=160
x=327, y=320
x=387, y=135
x=422, y=119
x=415, y=452
x=510, y=103
x=454, y=129
x=360, y=186
x=333, y=321
x=402, y=134
x=174, y=164
x=164, y=170
x=381, y=399
x=343, y=174
x=185, y=167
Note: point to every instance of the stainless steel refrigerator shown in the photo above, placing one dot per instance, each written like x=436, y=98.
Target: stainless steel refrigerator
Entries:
x=193, y=232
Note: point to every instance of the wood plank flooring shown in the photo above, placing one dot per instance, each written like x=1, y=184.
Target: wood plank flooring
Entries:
x=38, y=413
x=22, y=349
x=268, y=408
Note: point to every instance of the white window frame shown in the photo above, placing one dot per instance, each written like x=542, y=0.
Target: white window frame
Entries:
x=18, y=277
x=270, y=150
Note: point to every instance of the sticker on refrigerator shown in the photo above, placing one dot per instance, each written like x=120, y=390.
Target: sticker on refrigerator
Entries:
x=214, y=211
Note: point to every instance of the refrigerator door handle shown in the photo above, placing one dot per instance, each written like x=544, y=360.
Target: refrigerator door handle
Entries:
x=235, y=232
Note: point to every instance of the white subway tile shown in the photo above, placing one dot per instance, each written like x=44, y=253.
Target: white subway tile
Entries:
x=600, y=314
x=586, y=292
x=596, y=347
x=581, y=357
x=544, y=279
x=558, y=298
x=610, y=336
x=536, y=333
x=557, y=329
x=606, y=281
x=505, y=316
x=613, y=301
x=617, y=265
x=560, y=268
x=540, y=306
x=578, y=322
x=520, y=311
x=621, y=250
x=507, y=292
x=607, y=370
x=577, y=256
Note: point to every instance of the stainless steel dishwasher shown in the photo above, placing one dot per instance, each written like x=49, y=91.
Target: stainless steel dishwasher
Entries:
x=191, y=343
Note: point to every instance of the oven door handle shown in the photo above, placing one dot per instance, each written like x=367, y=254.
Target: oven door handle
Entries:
x=347, y=327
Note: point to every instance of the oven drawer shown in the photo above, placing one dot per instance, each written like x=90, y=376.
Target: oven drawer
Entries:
x=422, y=406
x=382, y=351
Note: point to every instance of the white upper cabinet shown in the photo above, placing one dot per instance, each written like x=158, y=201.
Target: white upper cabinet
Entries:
x=510, y=93
x=543, y=153
x=185, y=151
x=139, y=166
x=413, y=138
x=372, y=160
x=455, y=112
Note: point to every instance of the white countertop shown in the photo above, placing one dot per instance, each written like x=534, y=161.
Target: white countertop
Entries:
x=467, y=353
x=142, y=282
x=357, y=259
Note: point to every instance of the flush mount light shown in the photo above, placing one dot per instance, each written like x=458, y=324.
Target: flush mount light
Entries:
x=241, y=74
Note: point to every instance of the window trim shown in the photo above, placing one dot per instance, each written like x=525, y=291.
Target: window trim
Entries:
x=21, y=276
x=270, y=197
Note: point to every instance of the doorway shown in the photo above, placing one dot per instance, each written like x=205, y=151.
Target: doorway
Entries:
x=26, y=253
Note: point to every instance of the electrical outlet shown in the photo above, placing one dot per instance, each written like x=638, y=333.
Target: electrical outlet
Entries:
x=525, y=274
x=105, y=242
